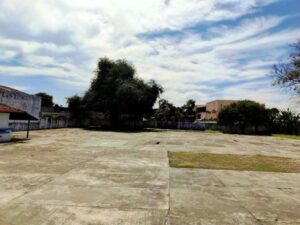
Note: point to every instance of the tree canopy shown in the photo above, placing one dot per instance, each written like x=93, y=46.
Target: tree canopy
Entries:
x=287, y=75
x=243, y=114
x=47, y=100
x=168, y=112
x=189, y=110
x=284, y=121
x=76, y=107
x=116, y=91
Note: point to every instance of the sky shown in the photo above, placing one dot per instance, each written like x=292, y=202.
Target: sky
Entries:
x=196, y=49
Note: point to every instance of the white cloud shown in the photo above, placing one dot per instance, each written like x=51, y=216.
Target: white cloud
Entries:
x=62, y=39
x=261, y=92
x=20, y=88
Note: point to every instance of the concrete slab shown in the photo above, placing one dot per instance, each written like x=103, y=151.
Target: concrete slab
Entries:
x=136, y=177
x=269, y=204
x=208, y=204
x=91, y=196
x=29, y=214
x=74, y=176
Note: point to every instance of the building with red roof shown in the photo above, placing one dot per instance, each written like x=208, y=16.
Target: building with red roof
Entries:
x=16, y=105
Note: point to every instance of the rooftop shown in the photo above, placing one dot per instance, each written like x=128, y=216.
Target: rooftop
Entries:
x=8, y=109
x=15, y=114
x=9, y=89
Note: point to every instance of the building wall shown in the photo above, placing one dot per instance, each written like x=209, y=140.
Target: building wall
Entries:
x=200, y=111
x=29, y=103
x=4, y=118
x=43, y=123
x=49, y=123
x=213, y=108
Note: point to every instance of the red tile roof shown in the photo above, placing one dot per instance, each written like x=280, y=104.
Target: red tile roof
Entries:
x=8, y=109
x=9, y=89
x=15, y=114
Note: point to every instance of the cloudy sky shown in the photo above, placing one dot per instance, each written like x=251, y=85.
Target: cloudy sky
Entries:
x=200, y=49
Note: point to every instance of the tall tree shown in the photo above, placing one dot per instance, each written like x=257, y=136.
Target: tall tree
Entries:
x=116, y=91
x=287, y=75
x=189, y=110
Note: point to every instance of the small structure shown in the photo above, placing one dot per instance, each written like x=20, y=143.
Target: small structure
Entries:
x=211, y=110
x=9, y=113
x=20, y=100
x=17, y=106
x=50, y=120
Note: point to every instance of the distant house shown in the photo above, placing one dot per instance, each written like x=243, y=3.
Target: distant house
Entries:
x=211, y=110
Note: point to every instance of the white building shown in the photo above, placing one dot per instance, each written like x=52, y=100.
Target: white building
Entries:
x=7, y=113
x=30, y=104
x=16, y=105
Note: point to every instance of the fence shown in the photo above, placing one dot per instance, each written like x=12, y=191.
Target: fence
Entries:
x=44, y=123
x=182, y=125
x=203, y=125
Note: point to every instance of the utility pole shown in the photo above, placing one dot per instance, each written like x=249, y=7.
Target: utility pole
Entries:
x=28, y=127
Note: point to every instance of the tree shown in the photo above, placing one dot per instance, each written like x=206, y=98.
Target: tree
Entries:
x=47, y=100
x=273, y=122
x=59, y=108
x=167, y=111
x=76, y=107
x=287, y=75
x=116, y=91
x=243, y=114
x=289, y=122
x=189, y=110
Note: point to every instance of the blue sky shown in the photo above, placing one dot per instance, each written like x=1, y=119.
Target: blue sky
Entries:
x=200, y=49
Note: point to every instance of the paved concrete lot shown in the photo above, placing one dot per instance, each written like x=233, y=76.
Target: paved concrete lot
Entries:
x=80, y=177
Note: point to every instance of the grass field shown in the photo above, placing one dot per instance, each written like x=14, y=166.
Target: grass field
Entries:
x=234, y=162
x=287, y=136
x=213, y=131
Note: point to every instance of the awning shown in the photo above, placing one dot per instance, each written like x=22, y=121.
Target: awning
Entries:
x=15, y=114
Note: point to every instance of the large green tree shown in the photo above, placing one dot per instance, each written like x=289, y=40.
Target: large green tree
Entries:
x=115, y=91
x=287, y=74
x=243, y=114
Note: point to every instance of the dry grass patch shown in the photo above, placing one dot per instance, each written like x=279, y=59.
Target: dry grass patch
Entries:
x=209, y=131
x=234, y=162
x=287, y=136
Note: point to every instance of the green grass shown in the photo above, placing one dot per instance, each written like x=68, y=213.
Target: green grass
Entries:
x=213, y=131
x=233, y=162
x=287, y=136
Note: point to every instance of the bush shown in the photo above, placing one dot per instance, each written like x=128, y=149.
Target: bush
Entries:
x=243, y=114
x=286, y=122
